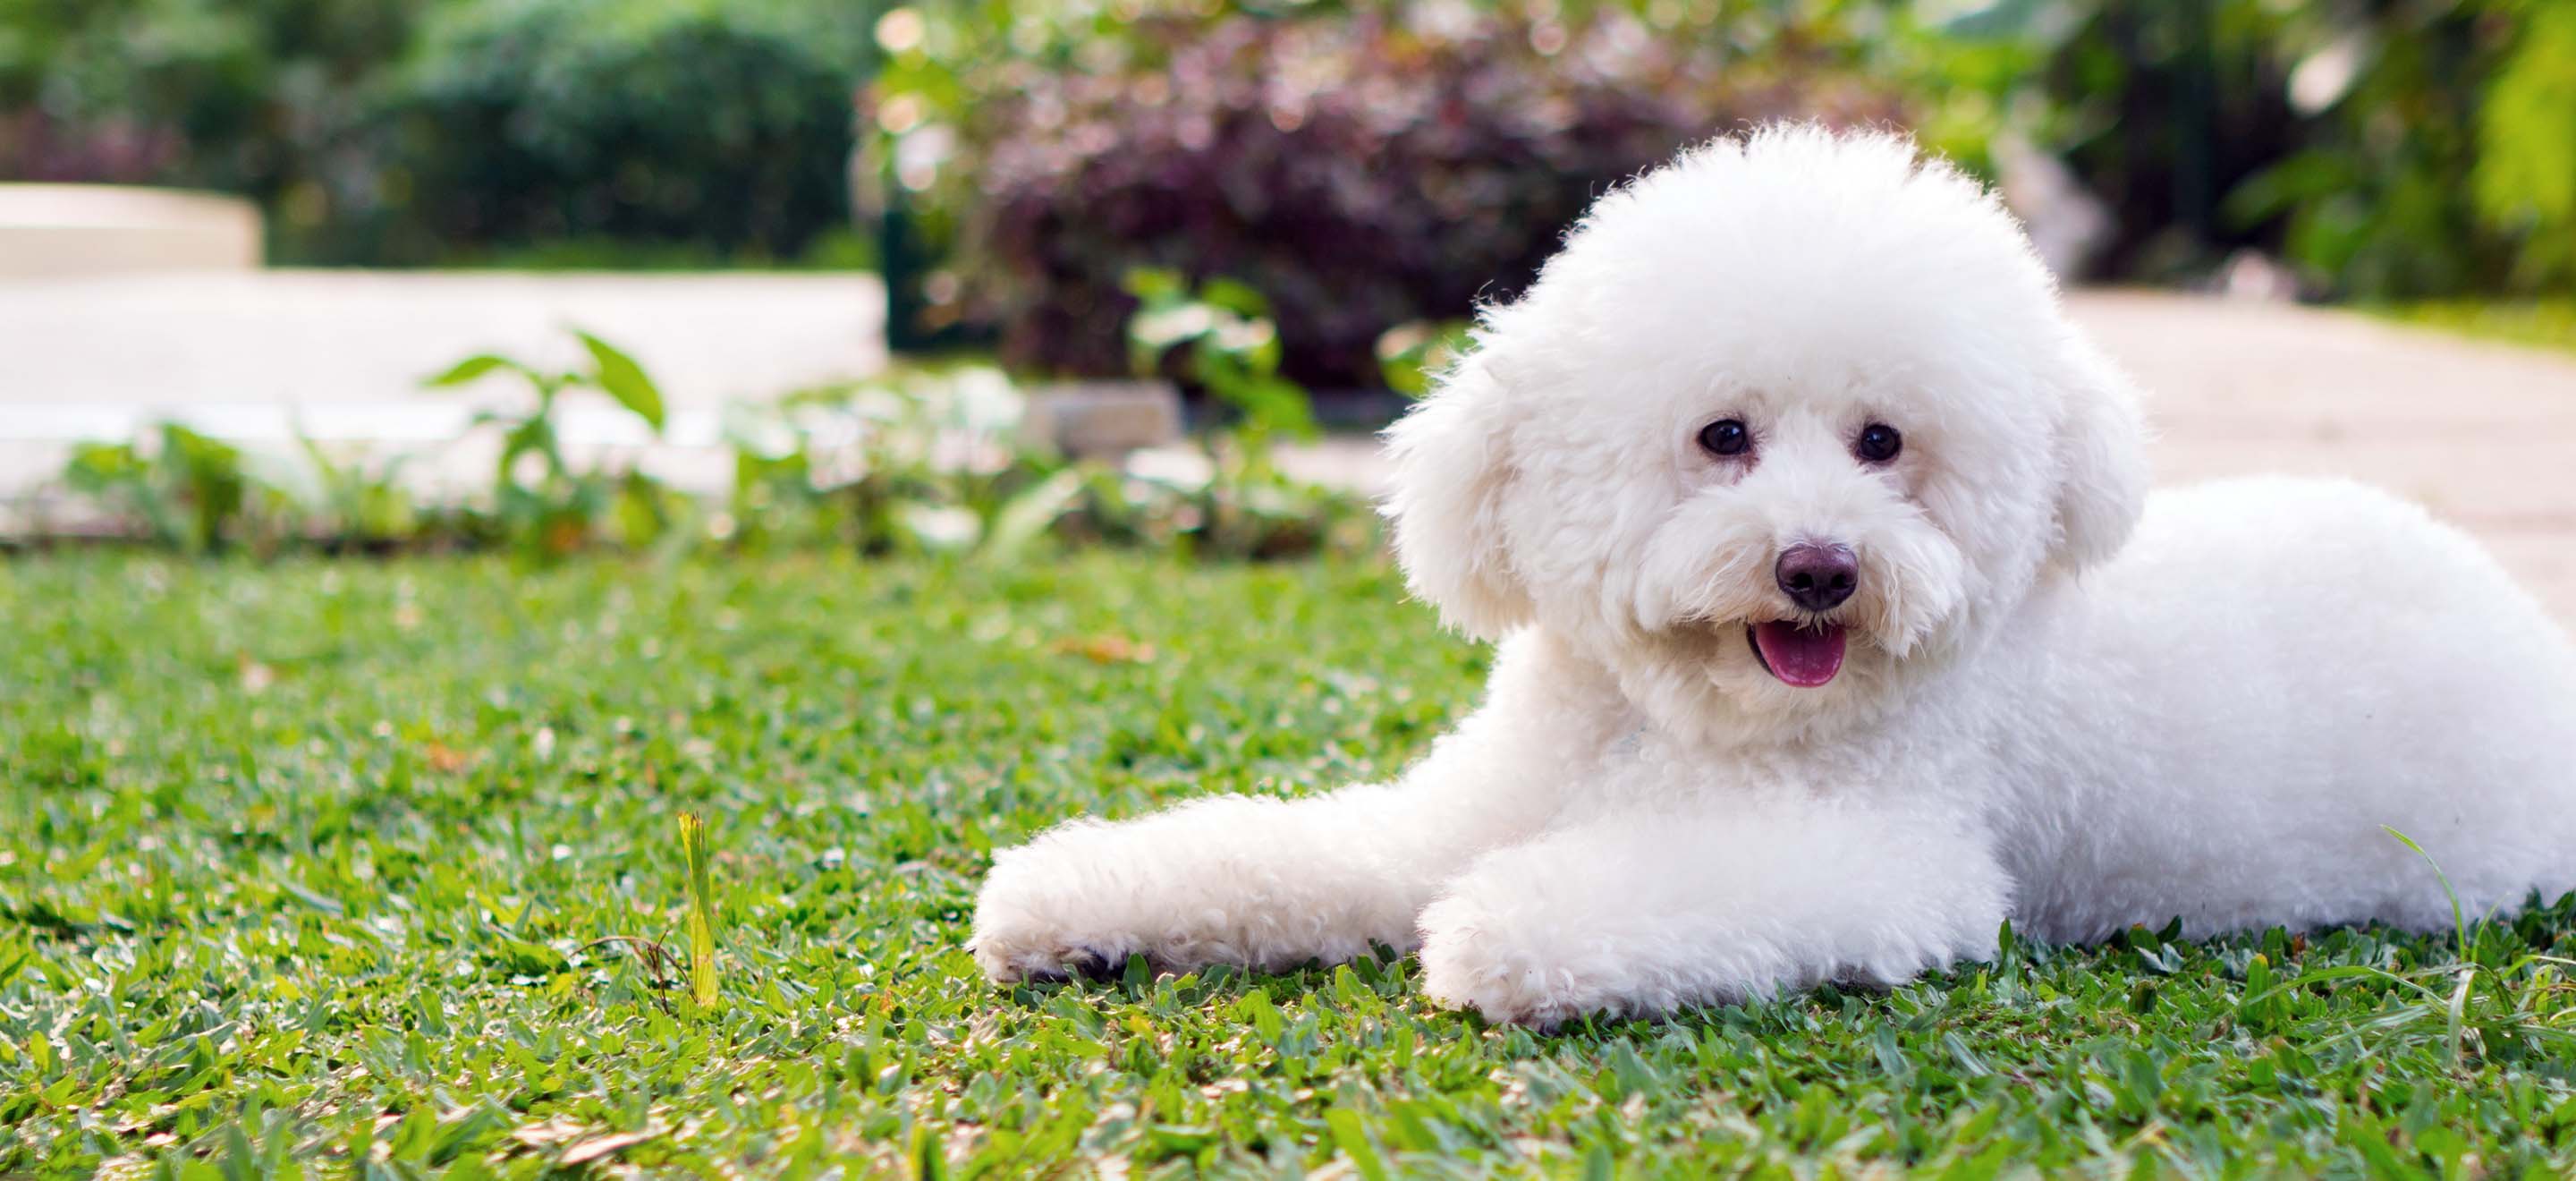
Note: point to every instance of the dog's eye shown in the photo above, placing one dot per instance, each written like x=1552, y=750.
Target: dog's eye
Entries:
x=1878, y=443
x=1726, y=436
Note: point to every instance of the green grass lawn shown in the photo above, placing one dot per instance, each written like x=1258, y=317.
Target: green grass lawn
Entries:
x=357, y=862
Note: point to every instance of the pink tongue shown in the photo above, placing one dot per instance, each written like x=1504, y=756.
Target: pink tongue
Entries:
x=1804, y=657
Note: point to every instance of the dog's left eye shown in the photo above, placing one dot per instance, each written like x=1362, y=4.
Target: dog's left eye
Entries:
x=1726, y=436
x=1878, y=443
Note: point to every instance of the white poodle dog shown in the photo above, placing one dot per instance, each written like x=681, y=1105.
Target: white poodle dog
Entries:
x=1837, y=627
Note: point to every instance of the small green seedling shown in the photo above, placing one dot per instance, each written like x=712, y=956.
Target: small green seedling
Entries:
x=702, y=910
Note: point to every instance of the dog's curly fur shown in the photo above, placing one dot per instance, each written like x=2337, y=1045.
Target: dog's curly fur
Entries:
x=2061, y=700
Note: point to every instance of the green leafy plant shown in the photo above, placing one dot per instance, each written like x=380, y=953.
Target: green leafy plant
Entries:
x=2525, y=179
x=541, y=501
x=359, y=504
x=1220, y=337
x=1412, y=356
x=713, y=129
x=921, y=460
x=189, y=490
x=934, y=460
x=773, y=502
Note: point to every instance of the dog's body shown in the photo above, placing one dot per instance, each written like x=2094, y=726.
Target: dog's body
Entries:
x=2233, y=763
x=1807, y=527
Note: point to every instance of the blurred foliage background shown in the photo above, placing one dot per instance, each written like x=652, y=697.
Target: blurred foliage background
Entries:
x=403, y=132
x=1363, y=166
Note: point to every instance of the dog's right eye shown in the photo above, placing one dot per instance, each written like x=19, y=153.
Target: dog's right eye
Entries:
x=1726, y=436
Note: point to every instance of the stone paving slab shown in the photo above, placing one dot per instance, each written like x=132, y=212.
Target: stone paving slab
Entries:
x=318, y=337
x=2482, y=434
x=258, y=356
x=63, y=229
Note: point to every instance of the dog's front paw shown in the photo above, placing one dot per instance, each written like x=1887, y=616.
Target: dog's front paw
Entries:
x=1008, y=954
x=1040, y=917
x=1009, y=950
x=1473, y=958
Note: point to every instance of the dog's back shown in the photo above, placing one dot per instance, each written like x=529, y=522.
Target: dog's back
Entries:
x=2272, y=676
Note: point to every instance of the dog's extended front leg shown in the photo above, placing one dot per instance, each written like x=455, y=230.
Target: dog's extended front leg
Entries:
x=1274, y=883
x=1261, y=882
x=1646, y=912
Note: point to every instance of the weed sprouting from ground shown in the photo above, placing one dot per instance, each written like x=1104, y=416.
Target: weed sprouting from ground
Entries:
x=2494, y=995
x=702, y=910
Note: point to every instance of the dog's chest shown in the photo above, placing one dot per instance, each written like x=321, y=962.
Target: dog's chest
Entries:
x=1645, y=767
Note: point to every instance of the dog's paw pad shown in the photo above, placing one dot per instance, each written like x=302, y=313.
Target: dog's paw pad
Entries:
x=1048, y=961
x=1097, y=964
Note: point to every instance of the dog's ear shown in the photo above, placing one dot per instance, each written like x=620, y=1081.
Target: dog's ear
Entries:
x=2101, y=459
x=1453, y=461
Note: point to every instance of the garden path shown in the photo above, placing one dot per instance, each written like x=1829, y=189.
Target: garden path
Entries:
x=2483, y=434
x=255, y=355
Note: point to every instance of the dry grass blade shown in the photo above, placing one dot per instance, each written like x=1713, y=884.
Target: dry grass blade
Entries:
x=599, y=1146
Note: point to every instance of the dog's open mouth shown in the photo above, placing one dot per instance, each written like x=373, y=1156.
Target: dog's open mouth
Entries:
x=1801, y=655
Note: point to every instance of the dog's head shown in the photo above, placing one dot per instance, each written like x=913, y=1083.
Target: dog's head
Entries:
x=1786, y=422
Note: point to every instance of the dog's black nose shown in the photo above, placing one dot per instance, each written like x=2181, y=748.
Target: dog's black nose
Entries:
x=1818, y=577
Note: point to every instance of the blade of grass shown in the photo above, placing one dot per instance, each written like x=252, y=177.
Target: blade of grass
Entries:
x=2459, y=921
x=702, y=910
x=2346, y=972
x=2457, y=1017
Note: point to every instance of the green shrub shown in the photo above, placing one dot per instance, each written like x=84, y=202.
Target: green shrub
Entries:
x=2388, y=151
x=1033, y=153
x=523, y=121
x=2525, y=180
x=1363, y=171
x=267, y=98
x=393, y=131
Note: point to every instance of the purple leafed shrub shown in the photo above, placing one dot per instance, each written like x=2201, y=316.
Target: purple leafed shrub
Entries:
x=1360, y=174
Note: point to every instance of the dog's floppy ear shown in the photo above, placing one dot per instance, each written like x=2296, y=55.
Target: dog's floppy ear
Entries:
x=2101, y=459
x=1453, y=460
